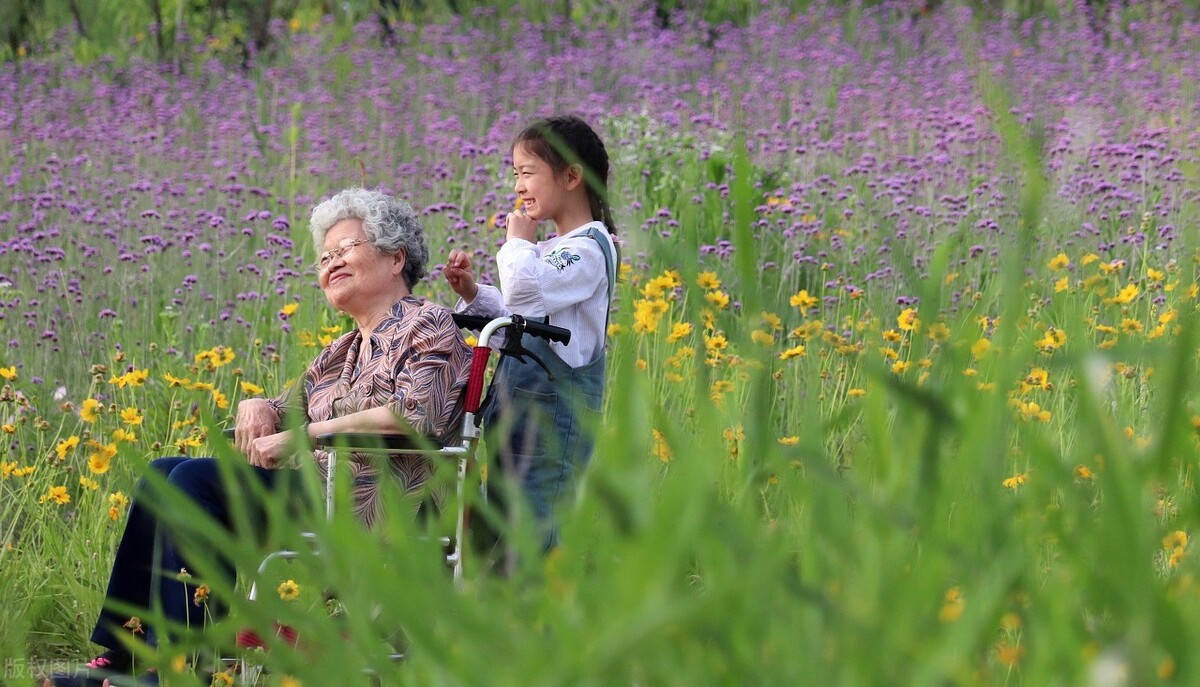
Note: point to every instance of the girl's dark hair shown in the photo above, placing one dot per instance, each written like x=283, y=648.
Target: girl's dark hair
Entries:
x=565, y=140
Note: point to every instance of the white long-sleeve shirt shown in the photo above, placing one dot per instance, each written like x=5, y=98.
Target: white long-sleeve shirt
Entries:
x=565, y=278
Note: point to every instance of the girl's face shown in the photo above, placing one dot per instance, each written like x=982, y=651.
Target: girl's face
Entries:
x=541, y=191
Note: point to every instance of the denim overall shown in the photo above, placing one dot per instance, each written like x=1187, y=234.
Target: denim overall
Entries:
x=548, y=419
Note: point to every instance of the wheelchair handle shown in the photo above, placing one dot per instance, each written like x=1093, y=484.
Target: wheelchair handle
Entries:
x=521, y=324
x=487, y=327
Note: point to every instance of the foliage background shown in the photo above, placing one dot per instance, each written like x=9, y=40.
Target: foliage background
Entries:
x=902, y=370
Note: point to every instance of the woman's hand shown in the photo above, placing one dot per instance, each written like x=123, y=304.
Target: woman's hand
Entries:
x=521, y=226
x=255, y=418
x=458, y=275
x=272, y=451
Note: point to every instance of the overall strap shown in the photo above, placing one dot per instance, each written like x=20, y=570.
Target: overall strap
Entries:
x=609, y=262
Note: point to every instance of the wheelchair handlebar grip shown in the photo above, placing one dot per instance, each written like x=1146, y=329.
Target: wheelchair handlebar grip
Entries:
x=539, y=329
x=472, y=322
x=479, y=361
x=548, y=331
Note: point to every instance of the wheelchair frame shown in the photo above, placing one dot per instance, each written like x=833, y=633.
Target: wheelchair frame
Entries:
x=401, y=444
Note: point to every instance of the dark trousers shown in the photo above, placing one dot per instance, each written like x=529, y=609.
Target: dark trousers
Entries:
x=142, y=576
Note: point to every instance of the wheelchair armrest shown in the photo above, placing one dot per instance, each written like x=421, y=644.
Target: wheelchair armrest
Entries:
x=367, y=441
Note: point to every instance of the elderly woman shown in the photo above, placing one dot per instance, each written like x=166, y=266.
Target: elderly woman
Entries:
x=402, y=369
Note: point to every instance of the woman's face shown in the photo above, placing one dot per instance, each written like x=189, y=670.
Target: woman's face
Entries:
x=361, y=276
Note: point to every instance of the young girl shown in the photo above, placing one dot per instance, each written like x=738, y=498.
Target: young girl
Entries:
x=561, y=176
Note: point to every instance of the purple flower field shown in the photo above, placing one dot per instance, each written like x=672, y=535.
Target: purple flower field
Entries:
x=130, y=190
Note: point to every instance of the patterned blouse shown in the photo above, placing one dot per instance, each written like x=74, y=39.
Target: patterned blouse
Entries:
x=418, y=367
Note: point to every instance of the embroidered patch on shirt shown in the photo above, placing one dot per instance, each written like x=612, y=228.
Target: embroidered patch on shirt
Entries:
x=561, y=259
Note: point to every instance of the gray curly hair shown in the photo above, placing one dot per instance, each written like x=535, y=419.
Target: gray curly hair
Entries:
x=389, y=223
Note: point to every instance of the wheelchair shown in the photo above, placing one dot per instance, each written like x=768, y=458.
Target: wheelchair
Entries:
x=464, y=451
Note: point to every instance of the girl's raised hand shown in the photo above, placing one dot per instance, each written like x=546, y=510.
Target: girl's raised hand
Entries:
x=458, y=275
x=521, y=226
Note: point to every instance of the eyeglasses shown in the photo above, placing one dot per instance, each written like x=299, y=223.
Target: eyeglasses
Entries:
x=332, y=254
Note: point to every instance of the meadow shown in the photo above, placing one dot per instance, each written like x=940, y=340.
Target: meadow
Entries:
x=902, y=370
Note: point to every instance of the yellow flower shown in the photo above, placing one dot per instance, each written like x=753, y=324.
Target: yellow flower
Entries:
x=1033, y=412
x=803, y=300
x=708, y=281
x=1053, y=340
x=222, y=679
x=773, y=321
x=200, y=596
x=288, y=681
x=121, y=434
x=89, y=411
x=1010, y=654
x=641, y=364
x=117, y=501
x=289, y=310
x=1059, y=262
x=1089, y=259
x=1038, y=378
x=953, y=606
x=249, y=388
x=216, y=357
x=220, y=399
x=980, y=348
x=718, y=298
x=892, y=336
x=89, y=484
x=175, y=381
x=761, y=338
x=646, y=314
x=678, y=331
x=1062, y=284
x=25, y=471
x=1125, y=296
x=719, y=388
x=7, y=467
x=8, y=373
x=793, y=352
x=131, y=378
x=613, y=330
x=939, y=332
x=661, y=450
x=659, y=286
x=101, y=459
x=900, y=366
x=908, y=320
x=716, y=342
x=56, y=494
x=856, y=393
x=1015, y=481
x=1131, y=326
x=1175, y=540
x=8, y=429
x=132, y=416
x=789, y=441
x=289, y=590
x=65, y=446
